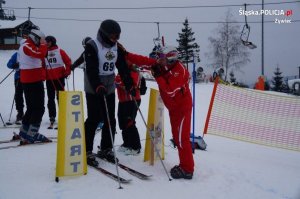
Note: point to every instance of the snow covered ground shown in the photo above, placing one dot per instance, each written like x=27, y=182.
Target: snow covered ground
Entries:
x=228, y=169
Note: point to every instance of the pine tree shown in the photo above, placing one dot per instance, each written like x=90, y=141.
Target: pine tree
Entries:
x=277, y=80
x=188, y=49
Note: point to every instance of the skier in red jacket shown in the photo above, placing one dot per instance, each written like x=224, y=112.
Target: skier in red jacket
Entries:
x=32, y=74
x=173, y=82
x=58, y=65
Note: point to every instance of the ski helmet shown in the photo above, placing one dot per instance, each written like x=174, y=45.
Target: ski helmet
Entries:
x=110, y=28
x=109, y=33
x=85, y=40
x=170, y=53
x=51, y=39
x=36, y=36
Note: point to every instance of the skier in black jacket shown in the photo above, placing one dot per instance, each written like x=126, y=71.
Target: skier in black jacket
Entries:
x=102, y=56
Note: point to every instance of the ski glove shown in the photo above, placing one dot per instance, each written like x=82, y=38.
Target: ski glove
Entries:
x=132, y=91
x=73, y=66
x=67, y=73
x=101, y=90
x=156, y=70
x=16, y=65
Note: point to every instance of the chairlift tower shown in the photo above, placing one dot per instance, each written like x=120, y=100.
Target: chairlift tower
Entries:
x=6, y=14
x=2, y=14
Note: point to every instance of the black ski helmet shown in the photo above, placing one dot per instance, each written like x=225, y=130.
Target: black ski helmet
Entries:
x=85, y=40
x=51, y=39
x=109, y=29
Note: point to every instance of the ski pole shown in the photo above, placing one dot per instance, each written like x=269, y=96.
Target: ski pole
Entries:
x=12, y=106
x=152, y=139
x=7, y=76
x=67, y=84
x=73, y=80
x=61, y=85
x=112, y=142
x=2, y=120
x=9, y=123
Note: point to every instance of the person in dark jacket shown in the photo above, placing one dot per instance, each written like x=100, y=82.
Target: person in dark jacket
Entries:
x=102, y=57
x=13, y=63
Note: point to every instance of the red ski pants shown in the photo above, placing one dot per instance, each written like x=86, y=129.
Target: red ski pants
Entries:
x=180, y=119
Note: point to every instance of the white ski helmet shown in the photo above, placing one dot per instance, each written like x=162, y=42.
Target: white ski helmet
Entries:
x=169, y=52
x=36, y=36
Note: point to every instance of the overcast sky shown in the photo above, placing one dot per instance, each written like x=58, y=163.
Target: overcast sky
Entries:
x=281, y=40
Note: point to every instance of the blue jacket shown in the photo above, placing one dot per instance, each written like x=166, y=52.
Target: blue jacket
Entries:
x=11, y=64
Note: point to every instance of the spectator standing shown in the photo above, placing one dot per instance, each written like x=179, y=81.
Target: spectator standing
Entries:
x=58, y=65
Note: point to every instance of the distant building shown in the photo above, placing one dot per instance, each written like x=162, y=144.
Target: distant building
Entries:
x=11, y=33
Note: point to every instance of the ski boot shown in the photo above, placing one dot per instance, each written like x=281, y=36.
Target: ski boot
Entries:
x=33, y=136
x=177, y=172
x=91, y=160
x=108, y=155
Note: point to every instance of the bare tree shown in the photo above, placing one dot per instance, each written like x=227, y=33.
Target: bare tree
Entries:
x=226, y=49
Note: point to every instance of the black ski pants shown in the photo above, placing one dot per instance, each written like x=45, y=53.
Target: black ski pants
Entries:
x=19, y=97
x=35, y=103
x=127, y=112
x=53, y=87
x=96, y=112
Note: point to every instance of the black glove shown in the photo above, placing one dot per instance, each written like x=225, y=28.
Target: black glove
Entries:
x=156, y=70
x=143, y=87
x=16, y=65
x=73, y=67
x=128, y=83
x=101, y=90
x=132, y=91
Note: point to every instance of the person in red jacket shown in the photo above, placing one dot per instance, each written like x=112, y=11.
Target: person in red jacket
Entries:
x=32, y=74
x=127, y=111
x=260, y=84
x=58, y=65
x=173, y=83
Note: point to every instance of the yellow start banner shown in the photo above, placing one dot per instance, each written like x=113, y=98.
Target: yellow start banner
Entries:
x=71, y=154
x=155, y=131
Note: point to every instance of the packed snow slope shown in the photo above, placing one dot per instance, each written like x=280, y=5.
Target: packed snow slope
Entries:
x=228, y=169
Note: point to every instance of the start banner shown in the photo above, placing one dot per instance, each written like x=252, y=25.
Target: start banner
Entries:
x=155, y=128
x=71, y=155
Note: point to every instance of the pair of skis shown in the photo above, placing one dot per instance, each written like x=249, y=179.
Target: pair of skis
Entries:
x=124, y=167
x=17, y=138
x=22, y=144
x=10, y=126
x=113, y=176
